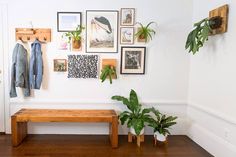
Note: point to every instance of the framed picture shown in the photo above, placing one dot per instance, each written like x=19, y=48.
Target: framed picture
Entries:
x=127, y=16
x=133, y=60
x=127, y=35
x=68, y=21
x=60, y=65
x=102, y=31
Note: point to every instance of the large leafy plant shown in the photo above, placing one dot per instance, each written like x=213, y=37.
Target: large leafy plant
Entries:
x=161, y=122
x=144, y=32
x=108, y=71
x=136, y=117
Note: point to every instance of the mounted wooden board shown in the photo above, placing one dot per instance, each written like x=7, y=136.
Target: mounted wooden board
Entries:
x=30, y=34
x=222, y=12
x=111, y=62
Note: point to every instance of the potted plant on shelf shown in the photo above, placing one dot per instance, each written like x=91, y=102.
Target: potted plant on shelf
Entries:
x=108, y=71
x=136, y=117
x=161, y=124
x=199, y=35
x=144, y=33
x=75, y=36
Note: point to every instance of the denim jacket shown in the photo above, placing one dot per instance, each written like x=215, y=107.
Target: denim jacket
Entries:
x=19, y=71
x=36, y=65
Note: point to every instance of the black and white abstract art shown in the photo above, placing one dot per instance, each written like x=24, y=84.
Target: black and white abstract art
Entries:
x=82, y=66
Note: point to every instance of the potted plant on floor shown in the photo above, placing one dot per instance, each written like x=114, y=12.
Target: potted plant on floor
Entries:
x=136, y=117
x=199, y=35
x=75, y=36
x=108, y=71
x=144, y=33
x=161, y=124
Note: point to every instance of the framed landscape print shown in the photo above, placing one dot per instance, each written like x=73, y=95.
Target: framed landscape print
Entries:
x=101, y=31
x=127, y=16
x=60, y=65
x=68, y=21
x=133, y=60
x=127, y=35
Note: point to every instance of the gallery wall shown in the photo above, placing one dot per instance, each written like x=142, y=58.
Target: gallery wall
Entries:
x=212, y=88
x=163, y=85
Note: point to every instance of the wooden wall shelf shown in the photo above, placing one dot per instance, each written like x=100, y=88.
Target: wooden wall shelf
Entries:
x=30, y=34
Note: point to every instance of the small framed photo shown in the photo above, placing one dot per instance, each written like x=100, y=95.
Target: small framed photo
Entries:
x=127, y=35
x=60, y=65
x=133, y=60
x=102, y=31
x=68, y=21
x=127, y=16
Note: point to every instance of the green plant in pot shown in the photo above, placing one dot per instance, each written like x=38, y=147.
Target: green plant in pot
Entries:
x=135, y=117
x=199, y=35
x=75, y=36
x=145, y=33
x=108, y=71
x=161, y=124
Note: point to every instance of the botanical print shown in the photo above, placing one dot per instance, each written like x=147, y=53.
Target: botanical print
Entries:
x=127, y=16
x=133, y=59
x=102, y=31
x=127, y=35
x=82, y=66
x=60, y=65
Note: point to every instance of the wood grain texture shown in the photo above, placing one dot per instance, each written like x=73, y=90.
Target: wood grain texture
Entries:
x=97, y=146
x=29, y=34
x=222, y=12
x=20, y=119
x=111, y=62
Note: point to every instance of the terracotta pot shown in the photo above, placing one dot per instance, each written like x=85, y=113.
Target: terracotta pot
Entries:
x=132, y=131
x=141, y=38
x=76, y=44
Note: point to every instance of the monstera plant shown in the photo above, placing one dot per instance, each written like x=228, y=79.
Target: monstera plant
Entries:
x=199, y=35
x=136, y=116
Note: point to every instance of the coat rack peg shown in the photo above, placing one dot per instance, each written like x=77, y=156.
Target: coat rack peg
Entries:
x=28, y=38
x=44, y=38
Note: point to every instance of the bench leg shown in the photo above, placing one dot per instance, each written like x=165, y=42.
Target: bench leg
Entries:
x=19, y=131
x=113, y=130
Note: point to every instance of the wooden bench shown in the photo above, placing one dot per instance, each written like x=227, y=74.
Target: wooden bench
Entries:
x=19, y=121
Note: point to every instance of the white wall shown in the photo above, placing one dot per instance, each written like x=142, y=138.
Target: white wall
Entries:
x=165, y=81
x=212, y=87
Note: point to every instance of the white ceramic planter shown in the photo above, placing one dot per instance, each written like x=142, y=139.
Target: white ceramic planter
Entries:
x=132, y=131
x=160, y=137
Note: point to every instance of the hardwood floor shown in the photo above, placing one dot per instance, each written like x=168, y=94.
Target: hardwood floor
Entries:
x=97, y=146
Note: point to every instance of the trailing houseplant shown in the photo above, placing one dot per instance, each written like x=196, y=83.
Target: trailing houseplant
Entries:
x=145, y=33
x=199, y=35
x=108, y=71
x=161, y=124
x=75, y=36
x=136, y=117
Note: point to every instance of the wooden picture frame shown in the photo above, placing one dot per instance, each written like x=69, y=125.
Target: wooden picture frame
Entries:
x=127, y=17
x=133, y=60
x=68, y=21
x=127, y=35
x=59, y=65
x=102, y=31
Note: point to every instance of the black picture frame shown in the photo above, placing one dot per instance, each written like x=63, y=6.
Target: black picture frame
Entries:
x=111, y=17
x=135, y=65
x=67, y=28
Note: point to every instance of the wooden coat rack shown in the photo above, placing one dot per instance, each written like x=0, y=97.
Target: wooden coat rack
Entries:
x=31, y=34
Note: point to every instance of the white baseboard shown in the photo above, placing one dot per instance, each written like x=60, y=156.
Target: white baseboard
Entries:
x=209, y=134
